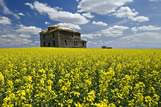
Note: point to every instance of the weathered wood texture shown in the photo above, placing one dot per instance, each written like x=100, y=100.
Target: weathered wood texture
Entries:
x=61, y=38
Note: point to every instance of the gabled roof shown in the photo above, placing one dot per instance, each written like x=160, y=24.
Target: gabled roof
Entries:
x=65, y=28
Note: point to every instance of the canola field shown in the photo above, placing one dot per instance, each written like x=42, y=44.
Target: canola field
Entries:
x=49, y=77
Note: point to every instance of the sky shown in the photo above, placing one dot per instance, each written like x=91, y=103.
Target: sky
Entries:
x=124, y=24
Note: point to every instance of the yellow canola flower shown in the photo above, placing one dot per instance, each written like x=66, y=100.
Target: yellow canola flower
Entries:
x=46, y=77
x=91, y=96
x=1, y=79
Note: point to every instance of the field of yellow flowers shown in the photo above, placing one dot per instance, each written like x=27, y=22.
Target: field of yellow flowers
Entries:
x=49, y=77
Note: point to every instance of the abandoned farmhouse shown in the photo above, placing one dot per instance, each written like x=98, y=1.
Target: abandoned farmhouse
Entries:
x=61, y=36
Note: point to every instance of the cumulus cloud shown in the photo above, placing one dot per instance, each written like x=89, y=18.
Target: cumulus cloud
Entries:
x=18, y=35
x=24, y=36
x=100, y=23
x=140, y=19
x=88, y=15
x=126, y=12
x=101, y=6
x=30, y=5
x=90, y=36
x=28, y=29
x=114, y=31
x=6, y=10
x=146, y=28
x=139, y=40
x=74, y=26
x=13, y=40
x=92, y=43
x=47, y=23
x=20, y=14
x=4, y=20
x=56, y=15
x=100, y=43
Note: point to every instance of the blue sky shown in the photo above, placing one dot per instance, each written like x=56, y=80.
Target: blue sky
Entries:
x=115, y=23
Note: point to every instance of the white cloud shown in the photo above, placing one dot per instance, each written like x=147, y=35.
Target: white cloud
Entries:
x=88, y=15
x=92, y=43
x=38, y=42
x=18, y=35
x=114, y=31
x=90, y=36
x=126, y=12
x=6, y=10
x=28, y=29
x=99, y=23
x=121, y=22
x=140, y=19
x=20, y=14
x=58, y=8
x=74, y=26
x=146, y=28
x=139, y=40
x=24, y=36
x=13, y=40
x=61, y=16
x=87, y=36
x=47, y=23
x=30, y=5
x=101, y=6
x=4, y=20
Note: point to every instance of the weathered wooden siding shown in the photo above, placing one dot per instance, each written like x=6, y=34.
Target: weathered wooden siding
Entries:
x=62, y=39
x=49, y=39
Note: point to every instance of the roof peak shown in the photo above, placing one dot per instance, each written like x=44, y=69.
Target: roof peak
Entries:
x=60, y=27
x=52, y=26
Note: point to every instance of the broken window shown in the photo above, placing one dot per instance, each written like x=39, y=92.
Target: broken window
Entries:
x=54, y=43
x=48, y=44
x=65, y=42
x=43, y=36
x=83, y=43
x=53, y=35
x=72, y=34
x=44, y=44
x=75, y=43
